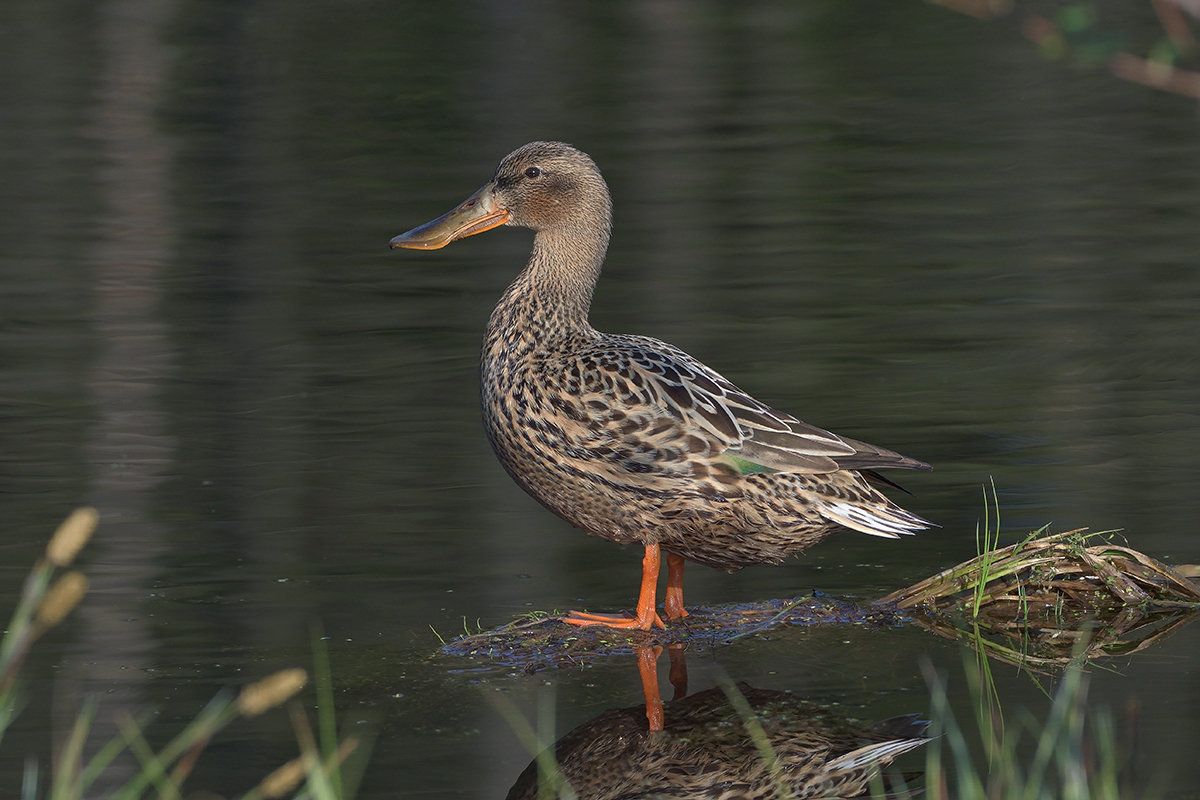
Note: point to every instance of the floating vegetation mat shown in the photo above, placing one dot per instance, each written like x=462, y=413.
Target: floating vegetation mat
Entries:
x=544, y=640
x=1032, y=602
x=1028, y=604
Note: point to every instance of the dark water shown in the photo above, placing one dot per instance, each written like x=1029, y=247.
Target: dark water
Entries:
x=892, y=221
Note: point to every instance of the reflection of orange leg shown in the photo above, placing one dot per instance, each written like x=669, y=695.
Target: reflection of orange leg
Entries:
x=673, y=602
x=646, y=615
x=678, y=673
x=648, y=668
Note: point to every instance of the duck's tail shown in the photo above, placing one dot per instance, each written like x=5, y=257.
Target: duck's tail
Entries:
x=884, y=518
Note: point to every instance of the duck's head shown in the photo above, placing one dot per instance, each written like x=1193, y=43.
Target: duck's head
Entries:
x=545, y=186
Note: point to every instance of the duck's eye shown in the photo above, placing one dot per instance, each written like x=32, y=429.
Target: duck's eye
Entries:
x=532, y=172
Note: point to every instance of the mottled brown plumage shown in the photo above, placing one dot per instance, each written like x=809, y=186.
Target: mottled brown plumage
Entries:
x=628, y=437
x=706, y=753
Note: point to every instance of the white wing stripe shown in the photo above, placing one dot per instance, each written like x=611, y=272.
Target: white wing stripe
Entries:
x=864, y=521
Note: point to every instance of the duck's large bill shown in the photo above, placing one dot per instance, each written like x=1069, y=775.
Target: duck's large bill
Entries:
x=476, y=214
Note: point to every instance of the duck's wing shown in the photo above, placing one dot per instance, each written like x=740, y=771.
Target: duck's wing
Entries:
x=754, y=436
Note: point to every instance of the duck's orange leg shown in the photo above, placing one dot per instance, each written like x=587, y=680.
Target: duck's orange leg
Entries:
x=647, y=658
x=673, y=602
x=678, y=674
x=646, y=615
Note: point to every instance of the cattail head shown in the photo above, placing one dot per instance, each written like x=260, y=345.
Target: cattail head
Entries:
x=283, y=780
x=71, y=536
x=271, y=691
x=63, y=595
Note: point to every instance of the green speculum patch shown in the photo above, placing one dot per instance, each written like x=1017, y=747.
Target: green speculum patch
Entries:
x=746, y=467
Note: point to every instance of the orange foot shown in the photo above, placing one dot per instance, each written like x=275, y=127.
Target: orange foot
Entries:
x=646, y=615
x=614, y=620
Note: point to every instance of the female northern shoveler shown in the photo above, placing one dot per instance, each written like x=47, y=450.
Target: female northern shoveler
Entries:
x=630, y=438
x=705, y=752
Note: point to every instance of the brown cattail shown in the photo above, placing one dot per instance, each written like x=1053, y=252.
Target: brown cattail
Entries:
x=71, y=536
x=283, y=780
x=63, y=595
x=271, y=691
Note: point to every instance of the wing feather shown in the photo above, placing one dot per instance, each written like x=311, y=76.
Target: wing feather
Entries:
x=703, y=400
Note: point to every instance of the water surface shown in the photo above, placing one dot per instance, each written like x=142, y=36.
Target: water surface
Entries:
x=891, y=221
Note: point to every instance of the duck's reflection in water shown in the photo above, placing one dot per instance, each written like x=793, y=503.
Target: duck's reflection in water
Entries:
x=737, y=743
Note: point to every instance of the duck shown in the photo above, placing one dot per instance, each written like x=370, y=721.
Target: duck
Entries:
x=630, y=438
x=799, y=749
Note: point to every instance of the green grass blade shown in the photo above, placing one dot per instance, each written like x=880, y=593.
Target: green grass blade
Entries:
x=326, y=713
x=66, y=782
x=106, y=755
x=153, y=770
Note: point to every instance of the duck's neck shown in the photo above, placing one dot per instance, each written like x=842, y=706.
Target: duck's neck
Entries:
x=553, y=294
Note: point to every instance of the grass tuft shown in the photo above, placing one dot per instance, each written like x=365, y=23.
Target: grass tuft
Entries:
x=1030, y=603
x=1071, y=754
